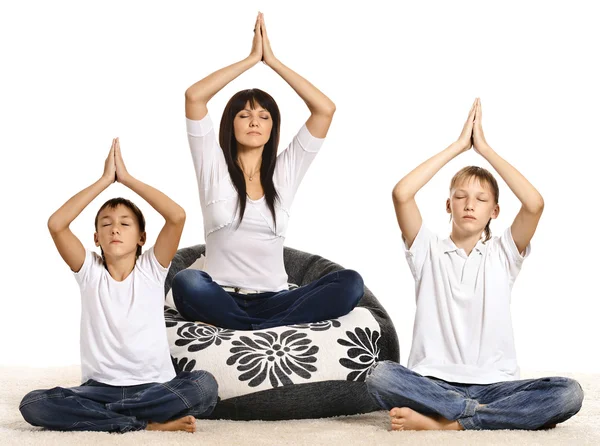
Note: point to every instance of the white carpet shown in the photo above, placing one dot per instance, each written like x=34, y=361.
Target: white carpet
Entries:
x=369, y=429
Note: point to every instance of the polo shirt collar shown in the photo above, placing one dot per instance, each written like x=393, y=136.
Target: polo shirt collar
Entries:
x=449, y=246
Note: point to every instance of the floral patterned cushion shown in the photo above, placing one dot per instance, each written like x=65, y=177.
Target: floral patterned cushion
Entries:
x=248, y=361
x=297, y=371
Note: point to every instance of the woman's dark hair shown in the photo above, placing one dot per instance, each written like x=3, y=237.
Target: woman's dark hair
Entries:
x=113, y=203
x=229, y=145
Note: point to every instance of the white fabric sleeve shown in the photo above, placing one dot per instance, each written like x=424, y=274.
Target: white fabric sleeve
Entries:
x=207, y=155
x=510, y=254
x=419, y=251
x=151, y=267
x=92, y=261
x=295, y=160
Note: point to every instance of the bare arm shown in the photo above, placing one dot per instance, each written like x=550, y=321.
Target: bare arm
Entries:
x=198, y=95
x=174, y=215
x=320, y=106
x=67, y=244
x=532, y=204
x=403, y=195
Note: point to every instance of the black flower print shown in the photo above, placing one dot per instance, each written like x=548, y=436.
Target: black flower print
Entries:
x=171, y=317
x=320, y=326
x=201, y=336
x=272, y=355
x=182, y=365
x=363, y=351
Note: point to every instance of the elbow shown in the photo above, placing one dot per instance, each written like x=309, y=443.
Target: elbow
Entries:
x=399, y=195
x=178, y=218
x=329, y=110
x=54, y=225
x=191, y=96
x=536, y=207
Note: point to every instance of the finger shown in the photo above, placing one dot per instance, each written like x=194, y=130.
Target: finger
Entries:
x=263, y=28
x=257, y=23
x=118, y=146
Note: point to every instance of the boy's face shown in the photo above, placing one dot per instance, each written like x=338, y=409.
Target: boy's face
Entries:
x=118, y=232
x=471, y=205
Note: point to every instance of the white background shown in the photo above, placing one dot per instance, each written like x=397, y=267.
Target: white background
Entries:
x=403, y=78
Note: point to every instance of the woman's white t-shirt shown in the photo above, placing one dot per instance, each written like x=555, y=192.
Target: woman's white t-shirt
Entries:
x=463, y=328
x=249, y=255
x=123, y=333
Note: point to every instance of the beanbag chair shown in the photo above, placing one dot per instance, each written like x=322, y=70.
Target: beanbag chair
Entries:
x=298, y=371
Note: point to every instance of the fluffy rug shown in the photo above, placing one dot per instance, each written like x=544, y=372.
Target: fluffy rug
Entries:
x=368, y=429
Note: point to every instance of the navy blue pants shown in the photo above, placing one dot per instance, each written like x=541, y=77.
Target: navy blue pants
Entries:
x=95, y=406
x=199, y=298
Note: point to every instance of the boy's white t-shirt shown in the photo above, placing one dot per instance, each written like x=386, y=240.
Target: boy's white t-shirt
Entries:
x=123, y=333
x=463, y=328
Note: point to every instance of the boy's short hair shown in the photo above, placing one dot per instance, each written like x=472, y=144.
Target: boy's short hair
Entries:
x=485, y=177
x=112, y=204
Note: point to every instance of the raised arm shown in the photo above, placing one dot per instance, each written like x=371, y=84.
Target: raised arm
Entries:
x=320, y=106
x=403, y=195
x=198, y=95
x=532, y=203
x=68, y=245
x=174, y=215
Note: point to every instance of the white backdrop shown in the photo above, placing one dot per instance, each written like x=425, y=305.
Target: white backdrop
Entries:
x=403, y=78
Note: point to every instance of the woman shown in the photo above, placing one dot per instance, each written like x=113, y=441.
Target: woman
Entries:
x=246, y=191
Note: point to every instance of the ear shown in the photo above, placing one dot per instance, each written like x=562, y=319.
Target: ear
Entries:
x=448, y=209
x=496, y=211
x=142, y=240
x=96, y=241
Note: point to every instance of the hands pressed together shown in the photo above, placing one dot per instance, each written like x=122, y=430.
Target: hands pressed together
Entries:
x=261, y=47
x=472, y=132
x=114, y=167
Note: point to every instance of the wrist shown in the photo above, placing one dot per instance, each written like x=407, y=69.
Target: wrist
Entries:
x=126, y=180
x=458, y=147
x=484, y=149
x=106, y=181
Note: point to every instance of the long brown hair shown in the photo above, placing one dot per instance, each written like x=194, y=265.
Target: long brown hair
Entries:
x=485, y=177
x=229, y=145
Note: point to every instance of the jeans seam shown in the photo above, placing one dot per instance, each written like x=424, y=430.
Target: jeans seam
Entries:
x=45, y=396
x=173, y=390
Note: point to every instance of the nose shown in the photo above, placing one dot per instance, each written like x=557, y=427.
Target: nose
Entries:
x=469, y=205
x=114, y=230
x=254, y=121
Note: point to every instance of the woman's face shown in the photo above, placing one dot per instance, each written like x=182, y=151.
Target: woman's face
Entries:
x=252, y=127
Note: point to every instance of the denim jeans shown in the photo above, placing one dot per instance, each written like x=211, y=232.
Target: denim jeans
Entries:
x=524, y=404
x=198, y=298
x=95, y=406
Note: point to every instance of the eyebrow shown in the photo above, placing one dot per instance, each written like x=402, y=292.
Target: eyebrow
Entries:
x=120, y=216
x=260, y=111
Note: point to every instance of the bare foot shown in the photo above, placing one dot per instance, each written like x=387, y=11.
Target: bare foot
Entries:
x=405, y=419
x=187, y=424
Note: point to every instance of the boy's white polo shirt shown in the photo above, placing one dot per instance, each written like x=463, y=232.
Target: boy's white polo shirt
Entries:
x=463, y=328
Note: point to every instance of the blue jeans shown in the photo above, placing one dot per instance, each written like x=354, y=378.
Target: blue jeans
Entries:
x=199, y=298
x=95, y=406
x=524, y=404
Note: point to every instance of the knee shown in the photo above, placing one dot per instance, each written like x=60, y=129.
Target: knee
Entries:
x=32, y=405
x=354, y=284
x=377, y=377
x=188, y=282
x=208, y=388
x=571, y=396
